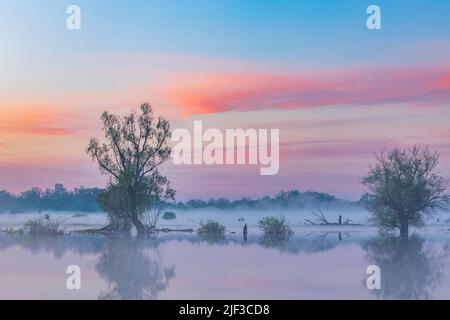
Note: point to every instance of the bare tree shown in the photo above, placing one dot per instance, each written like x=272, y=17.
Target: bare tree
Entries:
x=135, y=146
x=403, y=188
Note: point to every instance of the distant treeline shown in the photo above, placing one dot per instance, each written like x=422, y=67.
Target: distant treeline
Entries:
x=85, y=200
x=57, y=199
x=283, y=200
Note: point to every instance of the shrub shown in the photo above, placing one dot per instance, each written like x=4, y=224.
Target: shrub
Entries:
x=43, y=227
x=275, y=226
x=168, y=215
x=211, y=228
x=212, y=232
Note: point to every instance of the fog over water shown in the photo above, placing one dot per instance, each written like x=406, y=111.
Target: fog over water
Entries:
x=317, y=262
x=232, y=219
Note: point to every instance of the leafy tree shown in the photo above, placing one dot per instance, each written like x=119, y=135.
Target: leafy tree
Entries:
x=32, y=198
x=57, y=199
x=134, y=148
x=403, y=188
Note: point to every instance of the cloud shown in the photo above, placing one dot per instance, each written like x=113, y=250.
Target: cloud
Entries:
x=34, y=120
x=215, y=93
x=441, y=133
x=443, y=82
x=48, y=131
x=332, y=148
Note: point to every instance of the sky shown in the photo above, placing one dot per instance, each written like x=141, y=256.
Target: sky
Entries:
x=337, y=91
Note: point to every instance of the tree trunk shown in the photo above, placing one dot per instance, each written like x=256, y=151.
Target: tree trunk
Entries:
x=140, y=228
x=404, y=227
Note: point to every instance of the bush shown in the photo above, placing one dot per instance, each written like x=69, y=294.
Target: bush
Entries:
x=211, y=228
x=43, y=227
x=212, y=232
x=168, y=215
x=275, y=226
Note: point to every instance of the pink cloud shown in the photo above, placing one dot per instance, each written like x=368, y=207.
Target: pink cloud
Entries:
x=241, y=92
x=443, y=82
x=35, y=120
x=441, y=133
x=329, y=148
x=47, y=131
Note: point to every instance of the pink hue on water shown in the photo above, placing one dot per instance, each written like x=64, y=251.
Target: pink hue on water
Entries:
x=311, y=265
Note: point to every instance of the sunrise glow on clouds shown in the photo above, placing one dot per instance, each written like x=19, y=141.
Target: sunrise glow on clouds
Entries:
x=335, y=100
x=241, y=92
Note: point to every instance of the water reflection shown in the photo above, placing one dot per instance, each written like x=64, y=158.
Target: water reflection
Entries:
x=133, y=270
x=213, y=238
x=273, y=241
x=324, y=241
x=137, y=269
x=409, y=269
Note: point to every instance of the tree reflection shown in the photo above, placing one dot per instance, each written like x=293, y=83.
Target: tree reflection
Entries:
x=409, y=270
x=133, y=270
x=279, y=241
x=213, y=239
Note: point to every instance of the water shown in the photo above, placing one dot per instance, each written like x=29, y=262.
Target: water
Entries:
x=316, y=263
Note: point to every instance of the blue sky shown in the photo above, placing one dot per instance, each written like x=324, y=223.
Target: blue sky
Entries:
x=337, y=91
x=265, y=30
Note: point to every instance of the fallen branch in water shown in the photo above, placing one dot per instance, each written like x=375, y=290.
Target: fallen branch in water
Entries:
x=320, y=217
x=174, y=230
x=321, y=220
x=109, y=230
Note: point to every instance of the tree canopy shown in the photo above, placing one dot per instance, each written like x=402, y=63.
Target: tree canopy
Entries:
x=135, y=146
x=404, y=187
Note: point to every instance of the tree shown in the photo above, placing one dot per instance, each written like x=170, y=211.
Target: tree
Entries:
x=403, y=188
x=32, y=198
x=114, y=202
x=159, y=192
x=136, y=145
